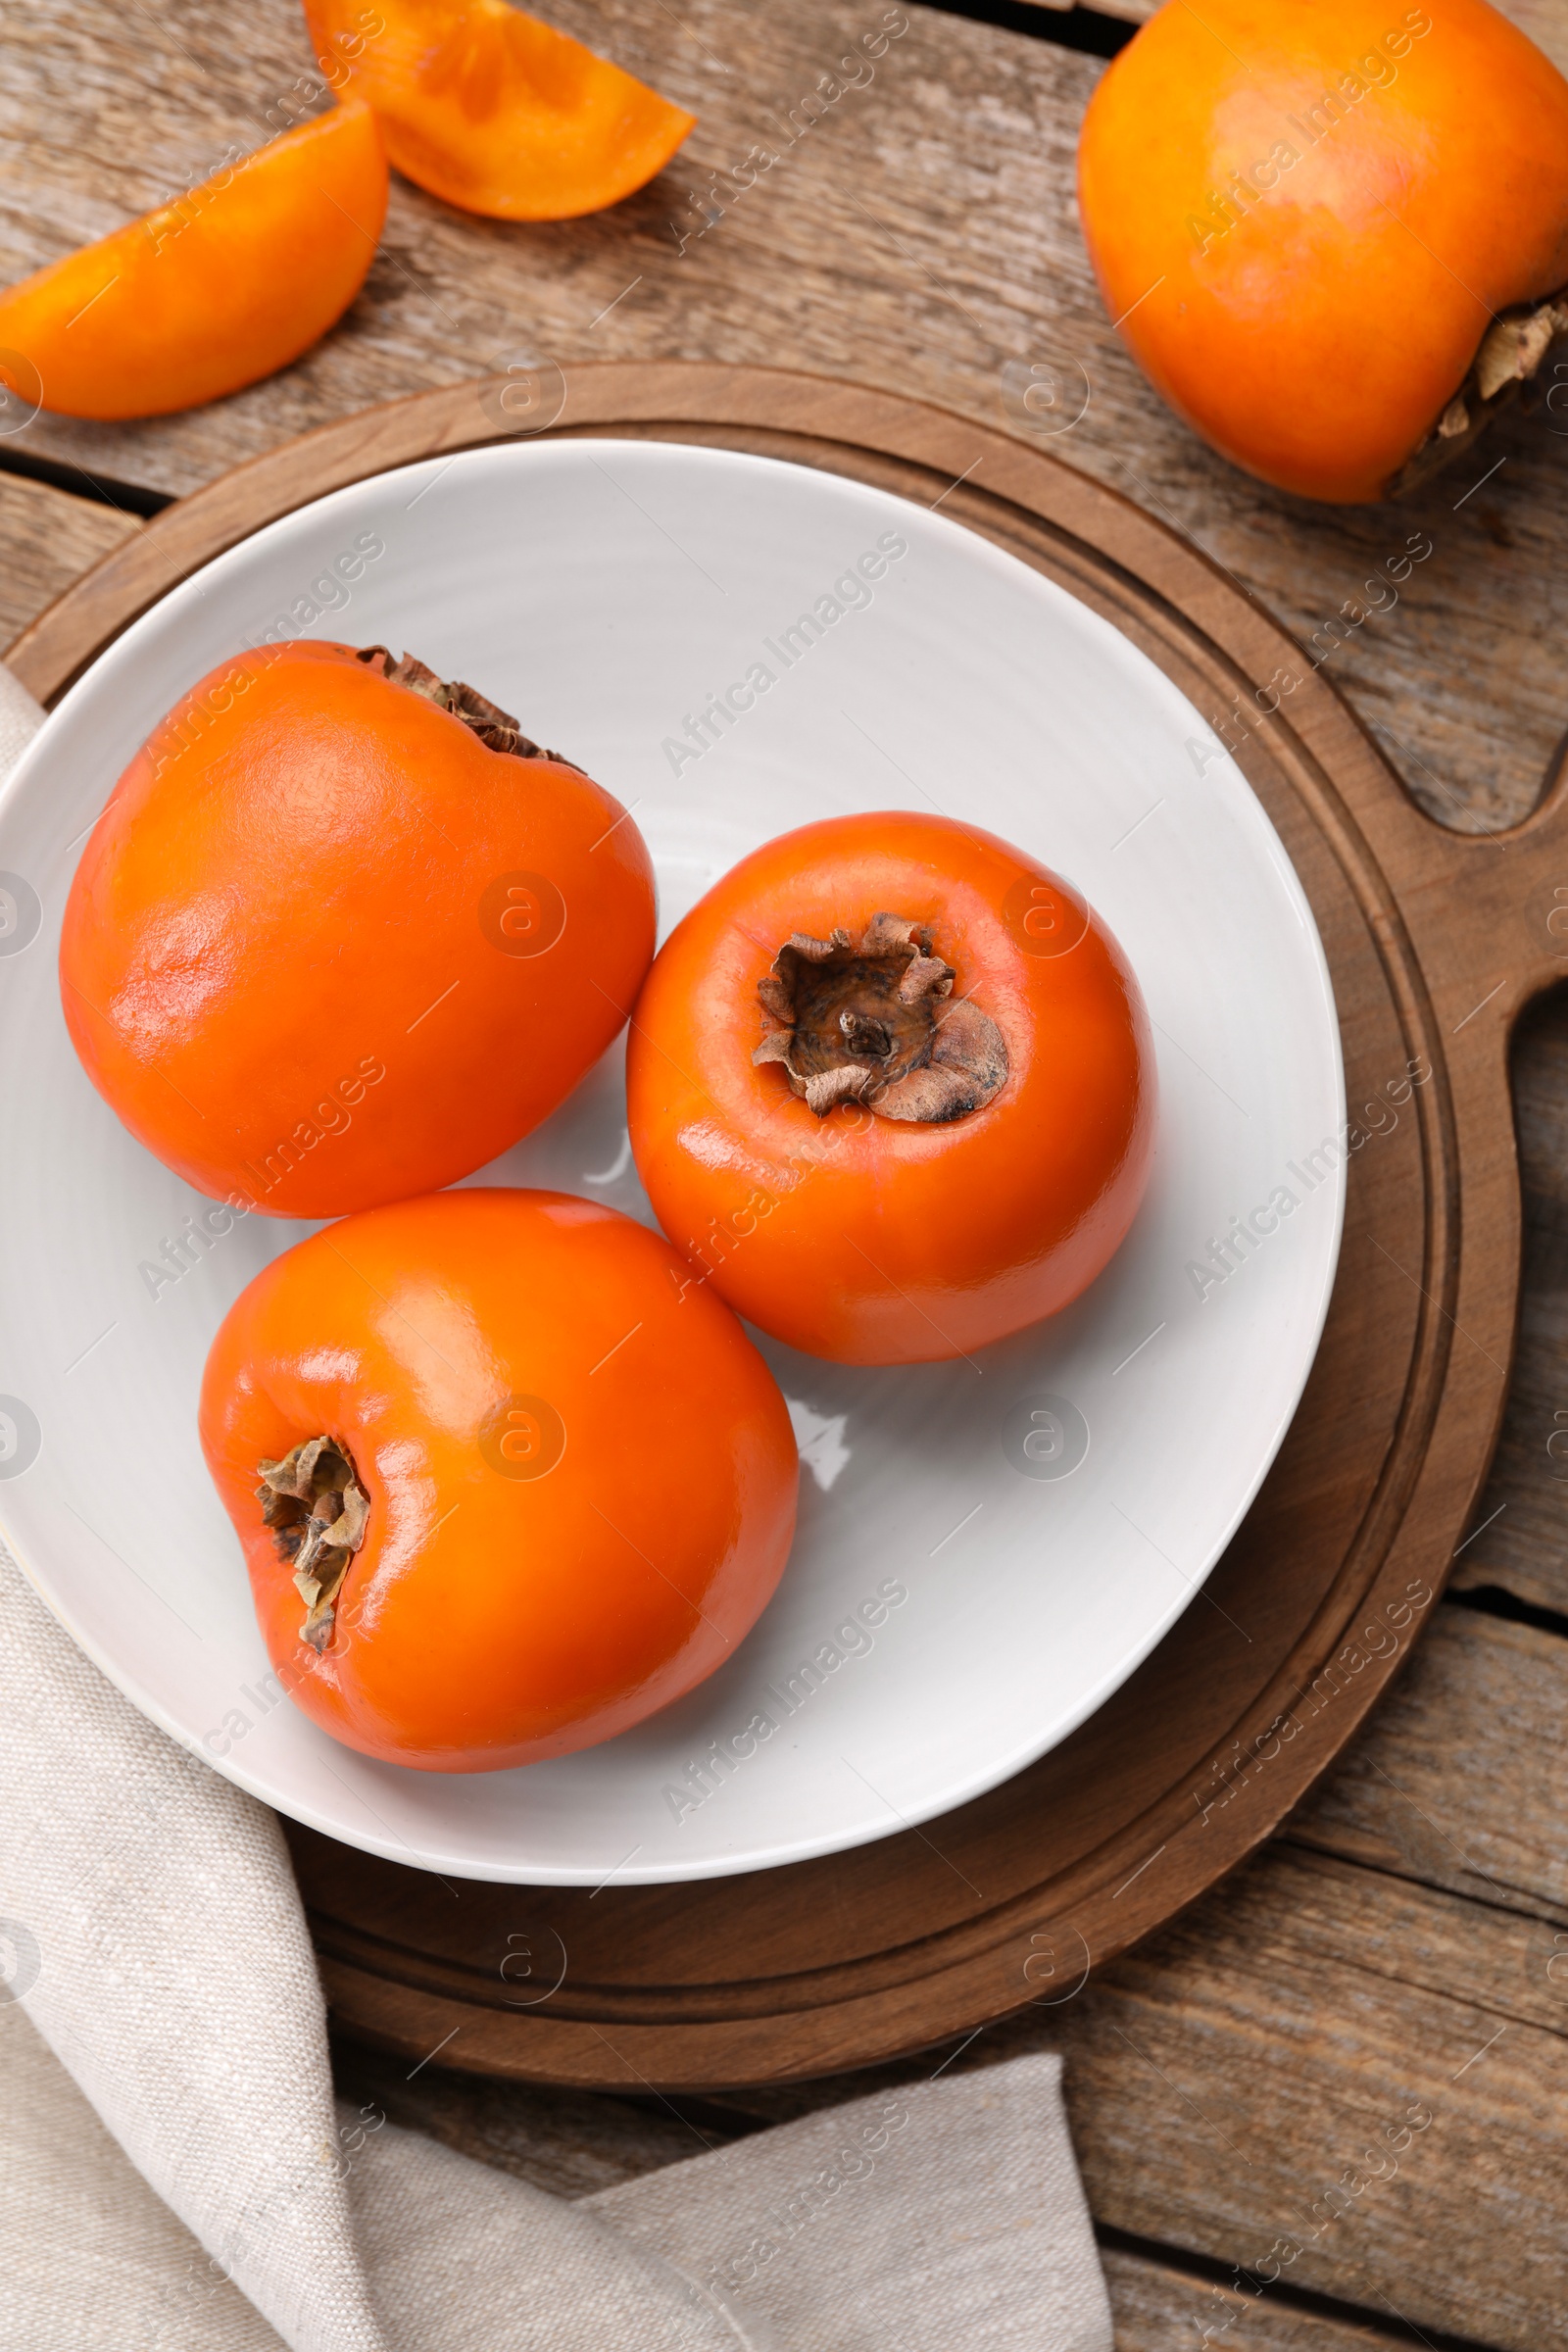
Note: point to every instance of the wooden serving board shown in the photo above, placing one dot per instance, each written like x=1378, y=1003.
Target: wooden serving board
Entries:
x=1436, y=939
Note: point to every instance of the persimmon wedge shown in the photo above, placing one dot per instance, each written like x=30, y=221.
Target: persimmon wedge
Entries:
x=494, y=111
x=223, y=287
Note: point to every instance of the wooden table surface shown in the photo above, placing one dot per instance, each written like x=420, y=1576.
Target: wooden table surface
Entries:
x=1400, y=1951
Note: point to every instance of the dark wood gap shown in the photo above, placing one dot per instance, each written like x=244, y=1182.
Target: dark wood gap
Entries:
x=1495, y=1600
x=1304, y=2299
x=127, y=498
x=708, y=2118
x=1530, y=1906
x=1082, y=28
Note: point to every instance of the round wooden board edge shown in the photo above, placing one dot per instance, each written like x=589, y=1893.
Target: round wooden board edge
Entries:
x=953, y=449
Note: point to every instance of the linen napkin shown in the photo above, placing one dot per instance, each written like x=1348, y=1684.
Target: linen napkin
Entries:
x=175, y=2176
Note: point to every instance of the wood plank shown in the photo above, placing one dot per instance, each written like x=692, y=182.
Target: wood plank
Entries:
x=922, y=234
x=48, y=538
x=1156, y=2305
x=1456, y=1780
x=1227, y=2080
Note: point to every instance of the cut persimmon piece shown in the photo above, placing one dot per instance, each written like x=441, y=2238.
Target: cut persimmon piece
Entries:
x=494, y=111
x=225, y=284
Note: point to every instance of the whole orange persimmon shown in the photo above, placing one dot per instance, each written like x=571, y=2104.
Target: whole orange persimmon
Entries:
x=343, y=933
x=505, y=1484
x=214, y=290
x=891, y=1088
x=1332, y=233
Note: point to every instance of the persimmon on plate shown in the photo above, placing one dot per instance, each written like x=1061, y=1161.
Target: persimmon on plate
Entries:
x=494, y=110
x=1335, y=237
x=987, y=1545
x=343, y=932
x=214, y=290
x=891, y=1088
x=504, y=1487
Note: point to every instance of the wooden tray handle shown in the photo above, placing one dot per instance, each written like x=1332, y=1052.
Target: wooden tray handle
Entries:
x=1489, y=914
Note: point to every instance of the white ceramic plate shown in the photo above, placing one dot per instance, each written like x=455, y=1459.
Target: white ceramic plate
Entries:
x=1032, y=1522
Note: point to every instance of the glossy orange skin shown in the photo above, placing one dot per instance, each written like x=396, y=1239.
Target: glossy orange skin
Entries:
x=224, y=285
x=1317, y=336
x=489, y=1619
x=858, y=1238
x=282, y=960
x=495, y=110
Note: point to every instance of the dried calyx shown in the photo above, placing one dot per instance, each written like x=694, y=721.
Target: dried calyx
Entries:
x=1508, y=363
x=496, y=728
x=318, y=1511
x=871, y=1021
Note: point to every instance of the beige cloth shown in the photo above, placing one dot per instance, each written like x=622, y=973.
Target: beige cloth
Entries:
x=174, y=2177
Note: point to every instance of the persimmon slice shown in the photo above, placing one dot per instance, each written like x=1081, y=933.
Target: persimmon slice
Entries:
x=494, y=111
x=211, y=292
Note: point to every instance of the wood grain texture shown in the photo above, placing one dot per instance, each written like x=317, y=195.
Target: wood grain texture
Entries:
x=1157, y=2307
x=1457, y=1781
x=1229, y=2097
x=49, y=538
x=921, y=234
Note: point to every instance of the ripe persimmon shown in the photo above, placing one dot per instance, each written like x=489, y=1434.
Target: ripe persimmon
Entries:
x=504, y=1485
x=495, y=110
x=342, y=933
x=891, y=1088
x=212, y=291
x=1335, y=237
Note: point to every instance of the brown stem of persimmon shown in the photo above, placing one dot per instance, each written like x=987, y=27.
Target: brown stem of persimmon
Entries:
x=314, y=1504
x=1506, y=364
x=496, y=728
x=870, y=1021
